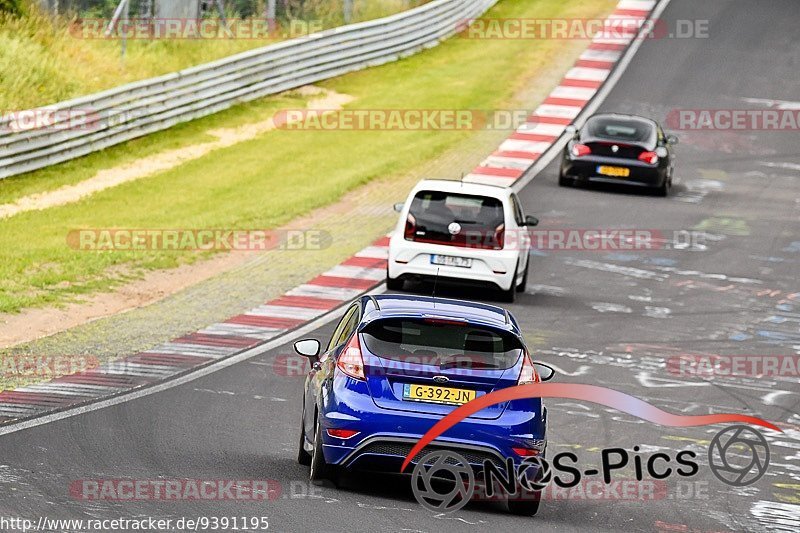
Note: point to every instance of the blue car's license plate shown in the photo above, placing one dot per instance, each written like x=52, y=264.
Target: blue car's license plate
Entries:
x=432, y=393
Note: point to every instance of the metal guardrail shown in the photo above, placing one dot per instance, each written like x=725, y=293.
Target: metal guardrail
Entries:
x=155, y=104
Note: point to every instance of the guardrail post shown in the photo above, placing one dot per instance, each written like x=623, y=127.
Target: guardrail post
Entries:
x=348, y=11
x=125, y=26
x=270, y=15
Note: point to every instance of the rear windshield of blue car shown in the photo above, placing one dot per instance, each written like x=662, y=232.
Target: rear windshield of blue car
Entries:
x=620, y=129
x=441, y=343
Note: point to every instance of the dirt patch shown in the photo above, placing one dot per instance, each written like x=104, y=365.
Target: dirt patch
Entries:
x=148, y=166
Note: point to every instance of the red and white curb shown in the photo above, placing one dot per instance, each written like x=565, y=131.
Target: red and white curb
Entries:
x=357, y=275
x=545, y=125
x=331, y=289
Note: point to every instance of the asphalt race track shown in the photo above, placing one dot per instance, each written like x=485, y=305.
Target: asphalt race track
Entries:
x=606, y=318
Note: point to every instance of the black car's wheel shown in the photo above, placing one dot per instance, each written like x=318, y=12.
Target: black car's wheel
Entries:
x=303, y=457
x=393, y=284
x=521, y=287
x=320, y=470
x=564, y=181
x=663, y=189
x=528, y=505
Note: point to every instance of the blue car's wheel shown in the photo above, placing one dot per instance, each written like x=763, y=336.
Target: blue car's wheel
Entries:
x=303, y=457
x=526, y=507
x=320, y=470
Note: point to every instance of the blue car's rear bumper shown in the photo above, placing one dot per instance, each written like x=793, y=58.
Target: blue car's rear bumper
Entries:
x=386, y=435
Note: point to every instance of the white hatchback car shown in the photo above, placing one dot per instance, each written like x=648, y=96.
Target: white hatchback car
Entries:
x=463, y=233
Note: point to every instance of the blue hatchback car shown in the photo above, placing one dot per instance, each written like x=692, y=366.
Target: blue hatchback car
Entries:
x=397, y=364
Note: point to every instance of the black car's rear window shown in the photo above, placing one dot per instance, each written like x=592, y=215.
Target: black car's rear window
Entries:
x=443, y=344
x=621, y=129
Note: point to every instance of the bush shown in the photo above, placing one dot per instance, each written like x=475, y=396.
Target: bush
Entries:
x=10, y=6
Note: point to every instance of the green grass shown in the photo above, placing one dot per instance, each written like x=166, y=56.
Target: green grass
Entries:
x=44, y=60
x=280, y=175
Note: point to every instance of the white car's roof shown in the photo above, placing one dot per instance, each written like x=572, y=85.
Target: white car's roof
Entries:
x=463, y=187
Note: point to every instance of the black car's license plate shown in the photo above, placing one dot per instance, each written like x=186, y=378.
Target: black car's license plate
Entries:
x=617, y=172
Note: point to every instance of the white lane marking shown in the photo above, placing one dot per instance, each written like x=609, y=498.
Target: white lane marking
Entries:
x=582, y=370
x=515, y=145
x=601, y=55
x=558, y=111
x=70, y=386
x=329, y=293
x=576, y=93
x=775, y=516
x=588, y=74
x=488, y=180
x=612, y=40
x=181, y=348
x=787, y=166
x=705, y=275
x=777, y=104
x=346, y=271
x=55, y=391
x=657, y=312
x=639, y=5
x=496, y=161
x=11, y=409
x=617, y=269
x=306, y=313
x=541, y=128
x=139, y=372
x=606, y=307
x=240, y=330
x=376, y=252
x=769, y=399
x=628, y=27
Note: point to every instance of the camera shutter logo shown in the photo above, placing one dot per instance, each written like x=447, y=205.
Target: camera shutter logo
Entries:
x=448, y=472
x=543, y=474
x=738, y=456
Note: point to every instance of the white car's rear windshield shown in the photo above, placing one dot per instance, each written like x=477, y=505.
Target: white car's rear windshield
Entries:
x=447, y=217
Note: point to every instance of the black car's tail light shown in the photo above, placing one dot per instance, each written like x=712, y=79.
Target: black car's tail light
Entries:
x=651, y=158
x=579, y=150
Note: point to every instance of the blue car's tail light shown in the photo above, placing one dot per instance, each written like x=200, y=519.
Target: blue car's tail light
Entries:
x=350, y=361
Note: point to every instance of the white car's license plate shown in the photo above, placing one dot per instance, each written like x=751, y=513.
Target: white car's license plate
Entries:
x=450, y=260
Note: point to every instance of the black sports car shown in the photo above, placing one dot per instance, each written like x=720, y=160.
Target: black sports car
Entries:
x=624, y=149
